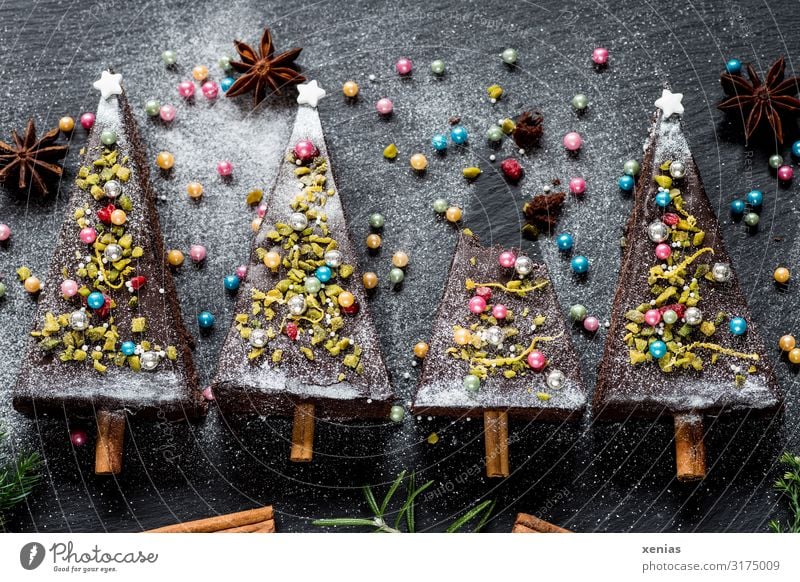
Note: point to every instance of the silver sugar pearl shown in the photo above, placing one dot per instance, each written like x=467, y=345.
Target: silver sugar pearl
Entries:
x=333, y=258
x=298, y=221
x=79, y=320
x=495, y=335
x=677, y=170
x=523, y=265
x=297, y=305
x=149, y=360
x=555, y=379
x=113, y=253
x=693, y=316
x=657, y=231
x=112, y=189
x=721, y=272
x=258, y=338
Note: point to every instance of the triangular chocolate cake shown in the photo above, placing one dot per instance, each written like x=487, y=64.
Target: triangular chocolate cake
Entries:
x=302, y=342
x=681, y=341
x=108, y=335
x=500, y=347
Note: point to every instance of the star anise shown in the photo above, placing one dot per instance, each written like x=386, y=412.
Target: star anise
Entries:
x=263, y=71
x=758, y=101
x=29, y=161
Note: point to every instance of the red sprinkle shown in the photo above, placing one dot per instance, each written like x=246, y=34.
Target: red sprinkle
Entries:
x=106, y=308
x=511, y=169
x=670, y=219
x=484, y=292
x=137, y=282
x=104, y=214
x=352, y=310
x=678, y=308
x=291, y=330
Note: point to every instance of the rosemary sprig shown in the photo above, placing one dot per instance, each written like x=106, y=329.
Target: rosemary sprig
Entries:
x=378, y=522
x=789, y=486
x=18, y=477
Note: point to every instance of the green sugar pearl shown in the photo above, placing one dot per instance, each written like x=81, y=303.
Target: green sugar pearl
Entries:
x=775, y=161
x=396, y=413
x=108, y=137
x=440, y=205
x=509, y=56
x=472, y=383
x=224, y=63
x=396, y=276
x=152, y=107
x=169, y=57
x=2, y=289
x=631, y=167
x=377, y=220
x=751, y=219
x=580, y=102
x=437, y=67
x=495, y=133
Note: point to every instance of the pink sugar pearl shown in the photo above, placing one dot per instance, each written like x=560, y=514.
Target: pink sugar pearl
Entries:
x=88, y=235
x=186, y=89
x=507, y=259
x=403, y=66
x=477, y=304
x=499, y=311
x=573, y=141
x=197, y=253
x=167, y=112
x=210, y=90
x=536, y=360
x=5, y=232
x=305, y=150
x=261, y=210
x=241, y=271
x=785, y=173
x=600, y=56
x=69, y=288
x=384, y=106
x=591, y=324
x=78, y=437
x=87, y=121
x=663, y=251
x=224, y=168
x=577, y=185
x=652, y=317
x=208, y=394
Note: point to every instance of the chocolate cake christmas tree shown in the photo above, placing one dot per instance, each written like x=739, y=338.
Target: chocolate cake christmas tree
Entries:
x=681, y=341
x=108, y=335
x=499, y=348
x=302, y=342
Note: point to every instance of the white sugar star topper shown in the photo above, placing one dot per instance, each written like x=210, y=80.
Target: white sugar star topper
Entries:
x=670, y=103
x=108, y=84
x=310, y=93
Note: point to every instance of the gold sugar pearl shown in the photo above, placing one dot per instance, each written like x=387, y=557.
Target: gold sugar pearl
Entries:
x=374, y=241
x=200, y=73
x=66, y=124
x=272, y=260
x=787, y=343
x=165, y=160
x=400, y=259
x=781, y=275
x=370, y=280
x=453, y=214
x=421, y=350
x=175, y=258
x=33, y=284
x=419, y=162
x=346, y=299
x=194, y=190
x=350, y=89
x=462, y=336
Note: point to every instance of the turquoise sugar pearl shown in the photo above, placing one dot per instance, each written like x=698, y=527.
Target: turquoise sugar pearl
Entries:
x=231, y=282
x=128, y=348
x=578, y=312
x=169, y=57
x=580, y=102
x=108, y=137
x=751, y=219
x=737, y=326
x=437, y=67
x=579, y=264
x=626, y=183
x=737, y=206
x=205, y=319
x=396, y=275
x=796, y=149
x=658, y=349
x=95, y=300
x=439, y=142
x=459, y=134
x=733, y=66
x=226, y=83
x=472, y=383
x=396, y=413
x=495, y=133
x=509, y=56
x=440, y=205
x=323, y=273
x=775, y=161
x=313, y=285
x=376, y=220
x=564, y=241
x=152, y=107
x=755, y=197
x=631, y=168
x=662, y=198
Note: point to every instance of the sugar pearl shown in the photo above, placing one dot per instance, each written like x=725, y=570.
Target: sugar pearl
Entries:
x=600, y=56
x=69, y=288
x=210, y=90
x=577, y=185
x=165, y=160
x=87, y=121
x=194, y=190
x=591, y=324
x=477, y=304
x=785, y=173
x=197, y=253
x=507, y=259
x=573, y=141
x=350, y=89
x=66, y=124
x=384, y=106
x=5, y=232
x=167, y=112
x=403, y=66
x=224, y=168
x=186, y=89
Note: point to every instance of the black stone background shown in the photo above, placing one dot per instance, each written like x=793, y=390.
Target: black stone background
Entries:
x=607, y=477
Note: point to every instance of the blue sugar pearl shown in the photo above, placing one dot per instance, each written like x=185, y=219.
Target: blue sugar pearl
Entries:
x=205, y=319
x=128, y=348
x=226, y=83
x=796, y=149
x=663, y=199
x=459, y=134
x=658, y=349
x=231, y=282
x=755, y=197
x=439, y=142
x=737, y=206
x=738, y=326
x=323, y=273
x=734, y=66
x=95, y=300
x=626, y=183
x=579, y=264
x=564, y=241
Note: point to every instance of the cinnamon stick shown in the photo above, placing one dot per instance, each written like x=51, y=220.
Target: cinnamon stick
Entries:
x=690, y=452
x=495, y=426
x=303, y=433
x=267, y=526
x=110, y=439
x=531, y=524
x=221, y=522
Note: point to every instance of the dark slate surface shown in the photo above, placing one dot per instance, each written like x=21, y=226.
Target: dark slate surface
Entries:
x=605, y=477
